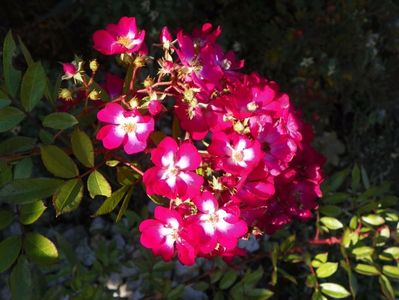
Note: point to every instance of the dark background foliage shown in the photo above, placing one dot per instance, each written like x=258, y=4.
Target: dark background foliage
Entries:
x=337, y=59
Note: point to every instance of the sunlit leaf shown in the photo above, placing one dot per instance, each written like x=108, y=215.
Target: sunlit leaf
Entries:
x=58, y=162
x=69, y=196
x=40, y=249
x=82, y=148
x=31, y=212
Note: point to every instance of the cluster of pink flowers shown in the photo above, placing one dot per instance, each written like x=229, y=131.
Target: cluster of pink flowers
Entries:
x=245, y=165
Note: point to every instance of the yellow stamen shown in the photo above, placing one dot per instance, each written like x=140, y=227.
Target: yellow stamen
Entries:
x=129, y=127
x=124, y=41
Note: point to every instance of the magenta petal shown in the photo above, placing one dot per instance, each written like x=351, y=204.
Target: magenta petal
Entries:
x=186, y=253
x=103, y=42
x=110, y=113
x=151, y=237
x=110, y=137
x=165, y=251
x=166, y=145
x=188, y=152
x=127, y=25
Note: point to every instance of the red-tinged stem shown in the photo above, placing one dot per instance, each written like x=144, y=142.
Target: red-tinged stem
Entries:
x=330, y=241
x=128, y=164
x=134, y=73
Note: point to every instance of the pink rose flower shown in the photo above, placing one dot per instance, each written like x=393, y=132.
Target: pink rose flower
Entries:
x=167, y=233
x=125, y=127
x=174, y=172
x=123, y=37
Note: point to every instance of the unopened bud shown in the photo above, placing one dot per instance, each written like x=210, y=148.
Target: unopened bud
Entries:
x=94, y=65
x=134, y=102
x=148, y=82
x=139, y=61
x=65, y=94
x=94, y=95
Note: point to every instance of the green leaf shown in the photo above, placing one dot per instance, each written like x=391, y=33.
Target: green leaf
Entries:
x=46, y=137
x=57, y=162
x=4, y=100
x=227, y=280
x=10, y=117
x=158, y=199
x=374, y=220
x=337, y=180
x=330, y=210
x=21, y=191
x=126, y=176
x=318, y=296
x=367, y=270
x=9, y=251
x=386, y=287
x=252, y=278
x=175, y=293
x=336, y=198
x=25, y=52
x=23, y=169
x=12, y=77
x=31, y=212
x=319, y=259
x=33, y=86
x=97, y=184
x=390, y=253
x=259, y=294
x=40, y=249
x=334, y=290
x=82, y=148
x=355, y=178
x=326, y=270
x=5, y=173
x=4, y=103
x=164, y=266
x=6, y=217
x=365, y=178
x=111, y=202
x=17, y=144
x=363, y=251
x=331, y=223
x=124, y=205
x=21, y=280
x=391, y=271
x=69, y=196
x=215, y=276
x=59, y=120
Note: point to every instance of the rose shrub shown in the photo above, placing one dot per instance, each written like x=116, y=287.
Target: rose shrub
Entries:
x=223, y=154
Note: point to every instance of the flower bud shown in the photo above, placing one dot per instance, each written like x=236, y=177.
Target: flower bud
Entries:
x=70, y=71
x=134, y=103
x=148, y=82
x=139, y=61
x=65, y=94
x=94, y=65
x=94, y=95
